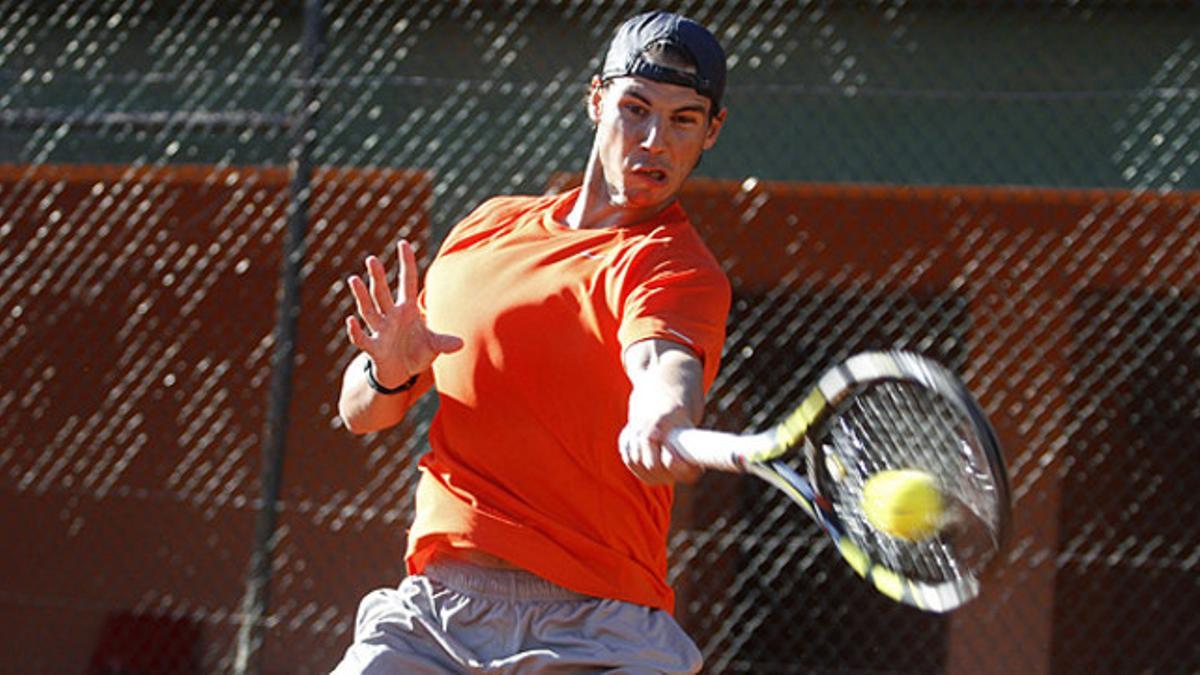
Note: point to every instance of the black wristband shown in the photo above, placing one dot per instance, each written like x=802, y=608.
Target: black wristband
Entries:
x=382, y=389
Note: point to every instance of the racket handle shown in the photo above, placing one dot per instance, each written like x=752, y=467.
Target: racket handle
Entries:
x=709, y=449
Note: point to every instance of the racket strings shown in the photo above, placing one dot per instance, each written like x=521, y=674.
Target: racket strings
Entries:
x=897, y=425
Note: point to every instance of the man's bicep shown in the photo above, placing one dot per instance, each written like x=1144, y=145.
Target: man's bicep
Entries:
x=670, y=368
x=649, y=353
x=688, y=307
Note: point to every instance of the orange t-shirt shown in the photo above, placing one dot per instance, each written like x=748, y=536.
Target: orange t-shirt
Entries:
x=523, y=460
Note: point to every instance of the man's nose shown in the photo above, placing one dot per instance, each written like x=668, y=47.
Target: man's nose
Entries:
x=653, y=136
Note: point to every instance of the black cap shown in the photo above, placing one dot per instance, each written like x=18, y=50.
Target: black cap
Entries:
x=626, y=54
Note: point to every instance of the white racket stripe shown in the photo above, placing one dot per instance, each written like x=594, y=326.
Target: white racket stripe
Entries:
x=717, y=449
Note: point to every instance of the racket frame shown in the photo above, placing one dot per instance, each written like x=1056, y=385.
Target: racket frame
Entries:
x=761, y=454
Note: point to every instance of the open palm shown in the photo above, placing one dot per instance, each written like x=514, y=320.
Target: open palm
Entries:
x=394, y=336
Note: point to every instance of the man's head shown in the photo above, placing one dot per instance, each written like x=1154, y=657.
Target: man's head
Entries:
x=668, y=48
x=657, y=106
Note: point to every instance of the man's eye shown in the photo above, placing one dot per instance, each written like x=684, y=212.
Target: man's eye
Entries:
x=635, y=109
x=686, y=120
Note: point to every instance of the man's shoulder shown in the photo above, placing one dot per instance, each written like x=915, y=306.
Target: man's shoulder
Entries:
x=676, y=237
x=673, y=249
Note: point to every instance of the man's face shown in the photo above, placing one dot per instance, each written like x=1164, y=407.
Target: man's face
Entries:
x=649, y=136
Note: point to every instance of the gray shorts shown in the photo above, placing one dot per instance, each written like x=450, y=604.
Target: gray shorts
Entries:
x=459, y=618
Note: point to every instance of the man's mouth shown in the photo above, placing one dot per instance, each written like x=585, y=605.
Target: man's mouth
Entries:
x=648, y=173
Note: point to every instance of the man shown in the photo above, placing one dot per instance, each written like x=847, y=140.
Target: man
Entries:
x=566, y=336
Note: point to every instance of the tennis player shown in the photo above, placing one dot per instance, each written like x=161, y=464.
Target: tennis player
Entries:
x=565, y=335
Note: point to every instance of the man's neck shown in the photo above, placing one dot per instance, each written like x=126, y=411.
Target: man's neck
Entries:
x=594, y=208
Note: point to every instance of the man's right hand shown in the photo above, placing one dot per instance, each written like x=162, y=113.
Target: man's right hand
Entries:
x=395, y=336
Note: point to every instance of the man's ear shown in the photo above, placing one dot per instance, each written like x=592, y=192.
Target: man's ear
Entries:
x=595, y=99
x=714, y=129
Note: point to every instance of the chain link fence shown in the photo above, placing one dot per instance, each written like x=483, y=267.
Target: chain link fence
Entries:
x=1008, y=187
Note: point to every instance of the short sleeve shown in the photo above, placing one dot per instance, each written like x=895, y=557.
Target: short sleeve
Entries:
x=683, y=298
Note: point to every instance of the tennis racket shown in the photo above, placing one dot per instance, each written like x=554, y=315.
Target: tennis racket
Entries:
x=876, y=412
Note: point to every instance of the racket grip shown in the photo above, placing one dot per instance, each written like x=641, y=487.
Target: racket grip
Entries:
x=709, y=449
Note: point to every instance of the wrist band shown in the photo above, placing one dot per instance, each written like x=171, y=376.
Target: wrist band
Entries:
x=385, y=390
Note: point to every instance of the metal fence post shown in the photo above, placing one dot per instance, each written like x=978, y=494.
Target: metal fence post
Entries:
x=256, y=600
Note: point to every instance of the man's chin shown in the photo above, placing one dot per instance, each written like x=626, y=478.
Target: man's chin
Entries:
x=643, y=198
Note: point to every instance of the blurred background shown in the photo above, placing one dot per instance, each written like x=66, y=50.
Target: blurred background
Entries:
x=1011, y=188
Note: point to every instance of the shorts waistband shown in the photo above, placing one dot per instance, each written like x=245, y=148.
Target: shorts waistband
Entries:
x=497, y=583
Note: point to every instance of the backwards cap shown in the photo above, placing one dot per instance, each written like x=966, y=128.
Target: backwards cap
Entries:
x=626, y=54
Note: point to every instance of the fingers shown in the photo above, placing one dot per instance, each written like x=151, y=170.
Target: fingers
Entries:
x=645, y=461
x=630, y=448
x=390, y=330
x=652, y=461
x=365, y=303
x=407, y=289
x=354, y=330
x=379, y=285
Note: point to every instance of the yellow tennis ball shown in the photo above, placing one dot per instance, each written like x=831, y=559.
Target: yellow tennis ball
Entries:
x=903, y=503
